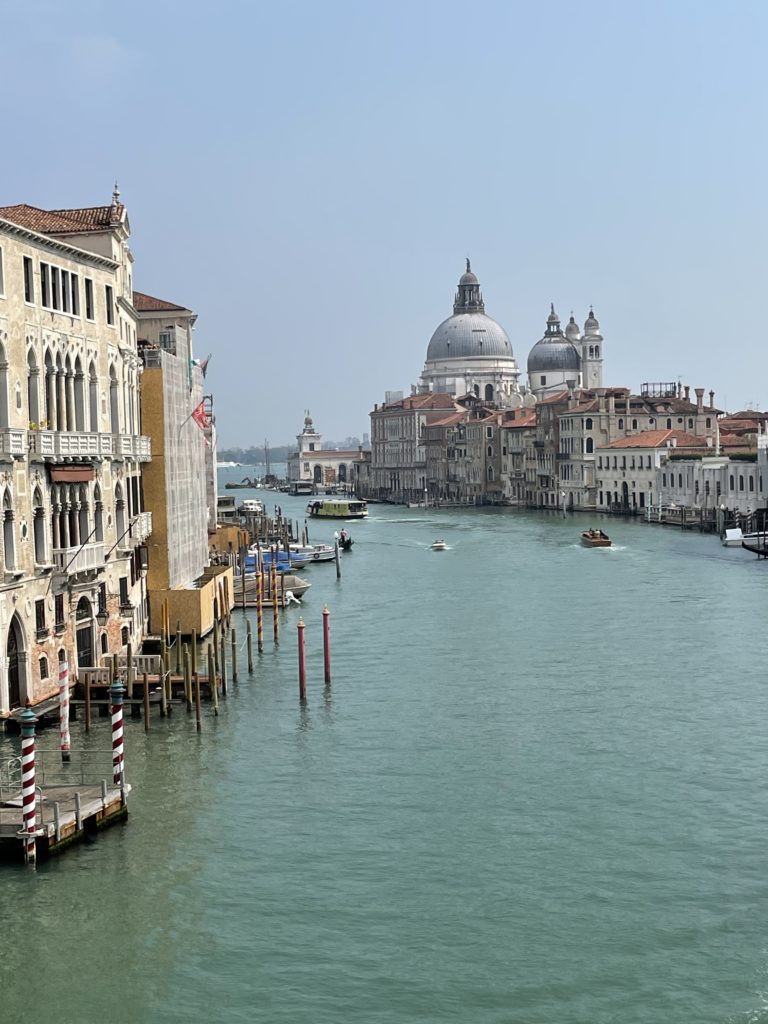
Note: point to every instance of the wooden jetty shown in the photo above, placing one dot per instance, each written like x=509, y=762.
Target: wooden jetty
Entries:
x=74, y=802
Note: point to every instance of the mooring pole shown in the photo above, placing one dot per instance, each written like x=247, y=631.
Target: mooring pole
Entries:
x=64, y=709
x=302, y=662
x=116, y=692
x=327, y=645
x=28, y=789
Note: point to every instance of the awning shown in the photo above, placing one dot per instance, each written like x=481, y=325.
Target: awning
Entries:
x=72, y=474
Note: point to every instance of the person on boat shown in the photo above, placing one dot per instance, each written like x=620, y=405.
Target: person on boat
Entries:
x=343, y=536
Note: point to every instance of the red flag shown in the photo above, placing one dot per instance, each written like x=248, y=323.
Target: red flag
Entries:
x=200, y=416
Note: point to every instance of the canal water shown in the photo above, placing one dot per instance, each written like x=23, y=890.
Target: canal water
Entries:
x=535, y=792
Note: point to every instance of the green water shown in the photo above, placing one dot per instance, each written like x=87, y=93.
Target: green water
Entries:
x=535, y=793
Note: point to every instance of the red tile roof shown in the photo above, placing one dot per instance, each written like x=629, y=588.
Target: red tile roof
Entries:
x=148, y=303
x=658, y=439
x=62, y=222
x=520, y=420
x=449, y=421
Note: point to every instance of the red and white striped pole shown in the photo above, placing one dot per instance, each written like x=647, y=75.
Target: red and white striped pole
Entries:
x=118, y=757
x=64, y=709
x=28, y=790
x=327, y=645
x=302, y=663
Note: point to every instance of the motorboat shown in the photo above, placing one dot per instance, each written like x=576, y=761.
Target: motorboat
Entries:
x=284, y=561
x=595, y=539
x=251, y=507
x=313, y=552
x=290, y=590
x=438, y=545
x=338, y=508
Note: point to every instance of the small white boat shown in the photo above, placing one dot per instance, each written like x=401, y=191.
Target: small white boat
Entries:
x=251, y=507
x=733, y=538
x=438, y=545
x=313, y=552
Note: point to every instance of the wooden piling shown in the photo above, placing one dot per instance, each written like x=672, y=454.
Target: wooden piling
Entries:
x=260, y=611
x=187, y=679
x=216, y=645
x=198, y=713
x=336, y=557
x=223, y=664
x=129, y=672
x=212, y=680
x=193, y=647
x=275, y=619
x=249, y=644
x=302, y=663
x=146, y=702
x=234, y=654
x=178, y=649
x=87, y=704
x=327, y=645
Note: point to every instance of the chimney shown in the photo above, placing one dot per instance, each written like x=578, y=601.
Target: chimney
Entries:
x=601, y=400
x=611, y=404
x=571, y=385
x=674, y=442
x=711, y=399
x=687, y=392
x=699, y=399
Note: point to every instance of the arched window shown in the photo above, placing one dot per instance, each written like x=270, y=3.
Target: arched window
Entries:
x=669, y=423
x=33, y=388
x=82, y=514
x=9, y=548
x=343, y=473
x=489, y=392
x=79, y=396
x=114, y=402
x=588, y=423
x=751, y=482
x=50, y=392
x=490, y=472
x=621, y=424
x=590, y=446
x=731, y=482
x=39, y=526
x=597, y=351
x=93, y=399
x=741, y=482
x=125, y=636
x=489, y=451
x=43, y=668
x=591, y=351
x=690, y=423
x=634, y=424
x=104, y=644
x=61, y=396
x=476, y=390
x=4, y=421
x=119, y=512
x=98, y=515
x=709, y=421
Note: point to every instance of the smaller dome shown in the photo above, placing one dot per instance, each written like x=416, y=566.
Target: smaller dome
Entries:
x=591, y=324
x=553, y=354
x=553, y=318
x=572, y=329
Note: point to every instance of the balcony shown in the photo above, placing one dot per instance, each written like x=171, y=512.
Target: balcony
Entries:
x=13, y=443
x=83, y=559
x=562, y=456
x=133, y=446
x=76, y=445
x=140, y=529
x=539, y=444
x=64, y=445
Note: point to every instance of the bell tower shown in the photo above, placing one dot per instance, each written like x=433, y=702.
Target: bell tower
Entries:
x=309, y=439
x=591, y=353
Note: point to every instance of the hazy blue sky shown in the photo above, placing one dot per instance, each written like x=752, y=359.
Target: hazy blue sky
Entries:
x=310, y=176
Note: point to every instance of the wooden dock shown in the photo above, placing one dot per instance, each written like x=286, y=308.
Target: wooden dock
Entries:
x=72, y=802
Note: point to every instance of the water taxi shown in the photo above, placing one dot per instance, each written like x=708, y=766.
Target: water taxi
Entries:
x=251, y=507
x=439, y=545
x=595, y=539
x=338, y=508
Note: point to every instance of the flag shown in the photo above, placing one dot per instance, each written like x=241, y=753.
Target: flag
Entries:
x=203, y=364
x=200, y=416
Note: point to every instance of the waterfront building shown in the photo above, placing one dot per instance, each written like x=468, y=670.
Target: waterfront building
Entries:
x=518, y=431
x=329, y=467
x=638, y=471
x=177, y=416
x=398, y=444
x=71, y=451
x=470, y=352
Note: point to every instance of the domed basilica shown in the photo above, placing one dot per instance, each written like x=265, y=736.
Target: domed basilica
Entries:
x=470, y=353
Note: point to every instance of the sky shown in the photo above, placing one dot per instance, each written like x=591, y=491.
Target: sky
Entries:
x=309, y=178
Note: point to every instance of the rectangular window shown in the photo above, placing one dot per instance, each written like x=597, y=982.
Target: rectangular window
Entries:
x=110, y=303
x=55, y=288
x=45, y=284
x=29, y=281
x=65, y=291
x=40, y=626
x=75, y=283
x=123, y=591
x=58, y=613
x=88, y=299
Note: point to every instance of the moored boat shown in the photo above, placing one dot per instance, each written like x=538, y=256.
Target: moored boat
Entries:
x=290, y=589
x=338, y=508
x=313, y=552
x=595, y=539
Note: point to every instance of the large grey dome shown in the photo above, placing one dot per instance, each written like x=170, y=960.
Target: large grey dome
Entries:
x=469, y=334
x=554, y=351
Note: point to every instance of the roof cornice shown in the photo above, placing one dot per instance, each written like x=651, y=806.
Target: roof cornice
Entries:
x=50, y=242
